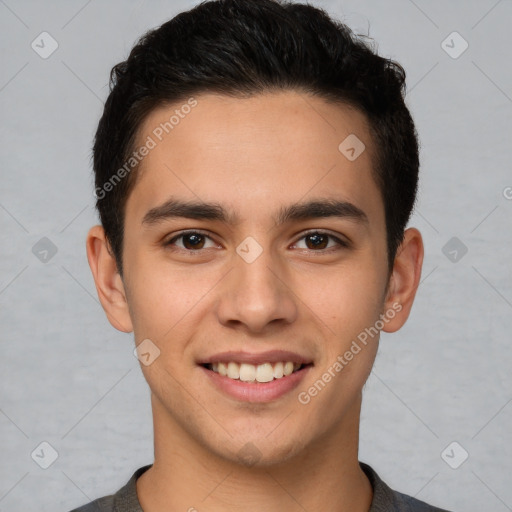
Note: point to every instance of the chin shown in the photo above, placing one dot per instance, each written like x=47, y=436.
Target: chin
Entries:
x=253, y=451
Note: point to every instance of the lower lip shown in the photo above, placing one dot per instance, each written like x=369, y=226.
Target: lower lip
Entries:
x=256, y=391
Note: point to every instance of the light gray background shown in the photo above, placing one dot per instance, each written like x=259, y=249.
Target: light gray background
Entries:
x=70, y=379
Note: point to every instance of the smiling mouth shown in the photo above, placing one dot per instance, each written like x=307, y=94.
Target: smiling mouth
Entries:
x=250, y=373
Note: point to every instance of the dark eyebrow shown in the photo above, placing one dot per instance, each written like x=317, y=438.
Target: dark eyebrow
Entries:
x=212, y=211
x=189, y=210
x=319, y=208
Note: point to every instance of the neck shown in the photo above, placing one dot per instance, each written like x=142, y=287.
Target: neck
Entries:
x=187, y=476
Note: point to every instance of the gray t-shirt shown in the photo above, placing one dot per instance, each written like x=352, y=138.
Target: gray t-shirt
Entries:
x=384, y=498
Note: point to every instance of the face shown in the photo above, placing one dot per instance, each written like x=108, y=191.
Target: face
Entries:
x=254, y=246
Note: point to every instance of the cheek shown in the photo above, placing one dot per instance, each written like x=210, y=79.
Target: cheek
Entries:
x=347, y=298
x=163, y=299
x=349, y=304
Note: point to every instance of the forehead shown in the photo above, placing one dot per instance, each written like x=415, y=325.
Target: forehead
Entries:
x=255, y=153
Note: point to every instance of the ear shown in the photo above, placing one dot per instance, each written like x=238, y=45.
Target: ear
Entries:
x=404, y=279
x=109, y=285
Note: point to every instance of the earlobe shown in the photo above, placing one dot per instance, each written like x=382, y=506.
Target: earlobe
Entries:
x=109, y=285
x=404, y=280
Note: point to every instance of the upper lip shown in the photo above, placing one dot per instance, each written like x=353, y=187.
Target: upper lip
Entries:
x=271, y=356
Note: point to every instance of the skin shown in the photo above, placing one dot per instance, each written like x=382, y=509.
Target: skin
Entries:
x=254, y=156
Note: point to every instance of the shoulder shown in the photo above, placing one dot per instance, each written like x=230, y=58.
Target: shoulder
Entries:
x=124, y=500
x=408, y=503
x=386, y=499
x=105, y=504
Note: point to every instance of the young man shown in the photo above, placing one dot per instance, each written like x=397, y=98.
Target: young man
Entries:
x=256, y=167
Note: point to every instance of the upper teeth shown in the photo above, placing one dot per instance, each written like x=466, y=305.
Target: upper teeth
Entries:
x=249, y=372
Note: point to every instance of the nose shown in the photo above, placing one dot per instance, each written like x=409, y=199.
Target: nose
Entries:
x=257, y=296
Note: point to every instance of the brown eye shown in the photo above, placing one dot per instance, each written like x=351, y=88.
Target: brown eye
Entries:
x=191, y=241
x=320, y=241
x=316, y=241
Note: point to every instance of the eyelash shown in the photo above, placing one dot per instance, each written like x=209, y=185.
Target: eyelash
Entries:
x=341, y=243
